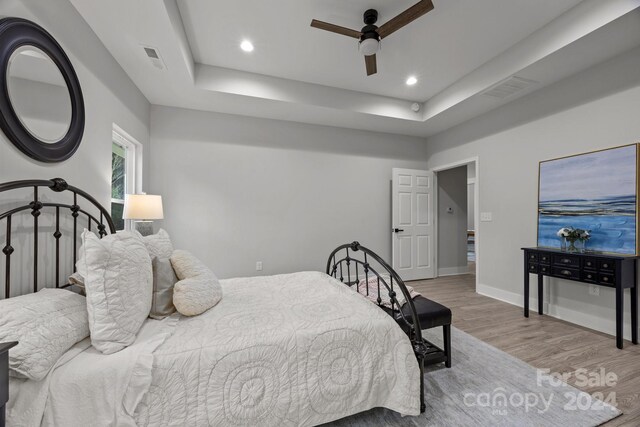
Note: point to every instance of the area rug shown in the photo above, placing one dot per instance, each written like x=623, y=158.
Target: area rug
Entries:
x=488, y=387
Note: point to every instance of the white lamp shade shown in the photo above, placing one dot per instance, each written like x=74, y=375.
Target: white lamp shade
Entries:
x=142, y=206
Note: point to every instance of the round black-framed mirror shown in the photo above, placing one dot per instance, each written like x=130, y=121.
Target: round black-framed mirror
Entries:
x=28, y=48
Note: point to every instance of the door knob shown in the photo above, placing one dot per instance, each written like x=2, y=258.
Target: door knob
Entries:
x=398, y=230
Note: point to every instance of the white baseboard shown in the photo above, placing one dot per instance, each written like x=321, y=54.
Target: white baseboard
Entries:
x=453, y=271
x=597, y=323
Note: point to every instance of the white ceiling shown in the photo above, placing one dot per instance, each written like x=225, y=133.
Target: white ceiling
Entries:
x=303, y=74
x=438, y=48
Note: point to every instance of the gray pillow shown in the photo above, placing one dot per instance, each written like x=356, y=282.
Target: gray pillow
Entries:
x=164, y=279
x=159, y=245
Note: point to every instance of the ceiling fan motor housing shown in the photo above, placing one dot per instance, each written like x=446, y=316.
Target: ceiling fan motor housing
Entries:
x=370, y=16
x=370, y=30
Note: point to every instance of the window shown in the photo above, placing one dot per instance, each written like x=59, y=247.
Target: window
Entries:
x=118, y=183
x=125, y=157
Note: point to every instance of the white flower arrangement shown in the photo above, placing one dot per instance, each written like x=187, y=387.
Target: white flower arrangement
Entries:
x=573, y=234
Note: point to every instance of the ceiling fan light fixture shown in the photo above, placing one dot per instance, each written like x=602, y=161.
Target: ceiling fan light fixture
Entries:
x=369, y=46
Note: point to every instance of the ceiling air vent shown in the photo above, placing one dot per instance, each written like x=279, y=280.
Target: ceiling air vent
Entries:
x=154, y=57
x=509, y=87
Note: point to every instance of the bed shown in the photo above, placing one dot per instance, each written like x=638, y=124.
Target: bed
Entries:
x=293, y=349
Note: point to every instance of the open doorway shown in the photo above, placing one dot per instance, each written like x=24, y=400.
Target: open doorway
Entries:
x=457, y=217
x=471, y=218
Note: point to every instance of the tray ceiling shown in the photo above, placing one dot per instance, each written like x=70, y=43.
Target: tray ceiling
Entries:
x=457, y=52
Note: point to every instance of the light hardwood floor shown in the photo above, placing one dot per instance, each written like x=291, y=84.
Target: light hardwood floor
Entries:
x=542, y=341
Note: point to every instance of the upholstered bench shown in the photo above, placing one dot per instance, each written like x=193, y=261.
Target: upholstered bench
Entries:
x=431, y=315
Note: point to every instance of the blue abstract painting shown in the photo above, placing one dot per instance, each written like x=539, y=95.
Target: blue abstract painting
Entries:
x=593, y=191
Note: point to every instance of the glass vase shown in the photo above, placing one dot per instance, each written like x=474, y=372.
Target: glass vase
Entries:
x=582, y=246
x=563, y=244
x=572, y=245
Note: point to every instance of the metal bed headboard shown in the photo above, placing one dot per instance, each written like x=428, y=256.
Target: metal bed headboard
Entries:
x=35, y=207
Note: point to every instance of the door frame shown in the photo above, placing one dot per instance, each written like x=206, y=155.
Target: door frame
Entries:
x=476, y=205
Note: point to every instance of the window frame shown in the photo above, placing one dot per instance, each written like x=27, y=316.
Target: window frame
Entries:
x=133, y=166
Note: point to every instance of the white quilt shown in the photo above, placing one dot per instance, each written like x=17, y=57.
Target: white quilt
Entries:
x=287, y=350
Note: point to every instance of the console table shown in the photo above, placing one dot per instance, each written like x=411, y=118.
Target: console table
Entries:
x=609, y=270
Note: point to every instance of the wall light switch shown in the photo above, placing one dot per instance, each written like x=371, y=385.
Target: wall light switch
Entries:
x=259, y=266
x=486, y=216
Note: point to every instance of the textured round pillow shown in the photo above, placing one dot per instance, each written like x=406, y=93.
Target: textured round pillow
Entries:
x=198, y=289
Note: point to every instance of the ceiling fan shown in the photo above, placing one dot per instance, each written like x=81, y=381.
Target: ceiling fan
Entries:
x=370, y=35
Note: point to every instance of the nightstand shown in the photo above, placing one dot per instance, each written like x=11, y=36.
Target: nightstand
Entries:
x=4, y=377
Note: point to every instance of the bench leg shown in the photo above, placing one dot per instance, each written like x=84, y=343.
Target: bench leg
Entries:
x=423, y=406
x=446, y=335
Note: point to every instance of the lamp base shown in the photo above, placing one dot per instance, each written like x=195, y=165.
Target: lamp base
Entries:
x=144, y=227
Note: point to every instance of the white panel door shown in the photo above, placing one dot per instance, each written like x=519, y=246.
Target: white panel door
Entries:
x=412, y=224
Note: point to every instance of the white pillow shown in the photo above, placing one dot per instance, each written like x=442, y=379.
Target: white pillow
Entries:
x=119, y=284
x=198, y=289
x=46, y=324
x=159, y=244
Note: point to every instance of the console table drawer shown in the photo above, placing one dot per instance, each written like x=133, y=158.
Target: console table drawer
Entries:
x=544, y=269
x=533, y=268
x=606, y=265
x=566, y=273
x=567, y=260
x=590, y=276
x=607, y=279
x=590, y=263
x=545, y=259
x=533, y=257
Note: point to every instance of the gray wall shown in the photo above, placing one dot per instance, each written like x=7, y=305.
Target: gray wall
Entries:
x=452, y=226
x=109, y=96
x=238, y=190
x=592, y=110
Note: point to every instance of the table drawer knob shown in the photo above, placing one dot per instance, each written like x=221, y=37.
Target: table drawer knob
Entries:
x=589, y=263
x=566, y=272
x=589, y=276
x=605, y=279
x=605, y=265
x=566, y=260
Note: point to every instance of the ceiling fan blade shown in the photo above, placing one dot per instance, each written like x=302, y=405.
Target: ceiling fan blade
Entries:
x=406, y=17
x=336, y=29
x=372, y=66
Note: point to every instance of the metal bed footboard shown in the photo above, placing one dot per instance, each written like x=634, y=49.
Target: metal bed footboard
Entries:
x=352, y=262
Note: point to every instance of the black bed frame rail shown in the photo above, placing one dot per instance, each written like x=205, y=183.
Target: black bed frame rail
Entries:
x=35, y=207
x=340, y=263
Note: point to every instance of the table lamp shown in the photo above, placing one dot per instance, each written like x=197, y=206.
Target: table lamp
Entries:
x=143, y=209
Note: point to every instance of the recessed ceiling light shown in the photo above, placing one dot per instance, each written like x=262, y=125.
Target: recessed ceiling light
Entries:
x=247, y=46
x=411, y=81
